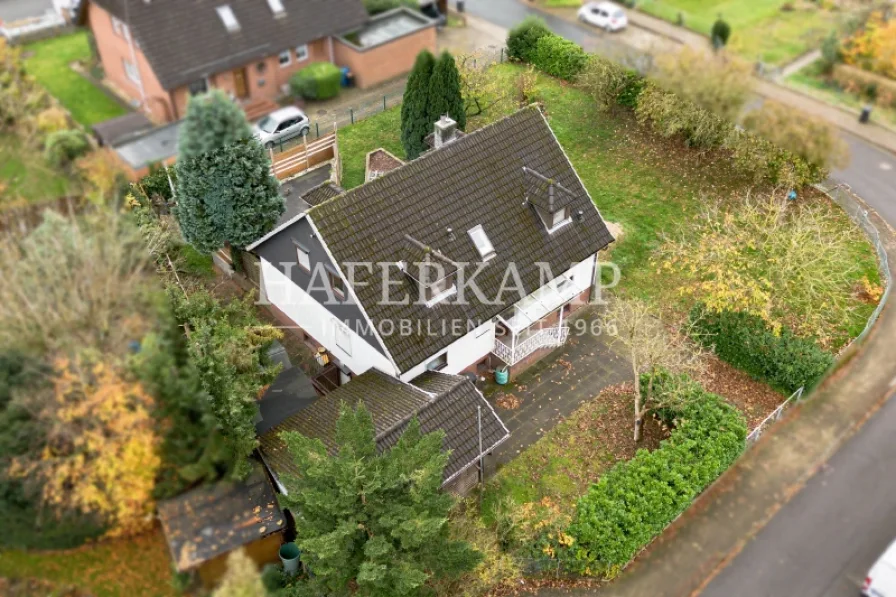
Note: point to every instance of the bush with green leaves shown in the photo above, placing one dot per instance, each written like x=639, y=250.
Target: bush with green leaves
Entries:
x=637, y=499
x=830, y=51
x=720, y=33
x=62, y=148
x=317, y=81
x=611, y=84
x=523, y=39
x=783, y=360
x=671, y=115
x=559, y=57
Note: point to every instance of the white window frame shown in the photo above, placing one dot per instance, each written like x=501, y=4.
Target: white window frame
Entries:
x=302, y=53
x=288, y=58
x=336, y=284
x=131, y=71
x=304, y=259
x=441, y=358
x=120, y=28
x=563, y=221
x=343, y=338
x=228, y=18
x=276, y=7
x=482, y=242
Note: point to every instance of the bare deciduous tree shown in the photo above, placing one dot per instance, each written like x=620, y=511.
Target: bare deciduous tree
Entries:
x=652, y=348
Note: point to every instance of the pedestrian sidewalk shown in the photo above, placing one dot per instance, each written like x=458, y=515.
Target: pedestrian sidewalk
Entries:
x=845, y=119
x=688, y=554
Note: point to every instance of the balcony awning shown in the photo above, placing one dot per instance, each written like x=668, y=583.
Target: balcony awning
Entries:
x=546, y=299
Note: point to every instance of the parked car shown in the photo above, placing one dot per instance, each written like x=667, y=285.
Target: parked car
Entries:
x=881, y=579
x=604, y=15
x=281, y=125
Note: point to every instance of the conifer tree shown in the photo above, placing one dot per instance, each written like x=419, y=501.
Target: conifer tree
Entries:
x=415, y=122
x=375, y=521
x=444, y=92
x=212, y=121
x=227, y=196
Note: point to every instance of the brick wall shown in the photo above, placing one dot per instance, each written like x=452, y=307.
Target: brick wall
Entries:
x=114, y=50
x=382, y=63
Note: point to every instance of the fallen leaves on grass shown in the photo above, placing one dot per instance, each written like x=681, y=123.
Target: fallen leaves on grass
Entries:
x=754, y=399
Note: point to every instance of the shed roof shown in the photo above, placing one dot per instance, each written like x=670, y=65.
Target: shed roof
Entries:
x=216, y=519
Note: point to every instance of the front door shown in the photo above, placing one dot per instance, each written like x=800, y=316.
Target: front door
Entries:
x=241, y=87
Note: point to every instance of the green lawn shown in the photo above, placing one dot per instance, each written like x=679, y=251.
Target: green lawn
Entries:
x=25, y=177
x=50, y=65
x=812, y=81
x=759, y=28
x=121, y=568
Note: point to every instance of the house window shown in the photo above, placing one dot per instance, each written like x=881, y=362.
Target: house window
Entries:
x=559, y=218
x=285, y=58
x=483, y=244
x=228, y=18
x=304, y=259
x=120, y=28
x=438, y=363
x=302, y=52
x=337, y=285
x=131, y=70
x=197, y=87
x=277, y=8
x=343, y=338
x=439, y=291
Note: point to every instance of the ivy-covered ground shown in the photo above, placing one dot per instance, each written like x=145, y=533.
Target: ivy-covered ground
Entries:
x=649, y=185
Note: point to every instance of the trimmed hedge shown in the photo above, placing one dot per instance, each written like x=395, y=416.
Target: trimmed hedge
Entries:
x=559, y=57
x=317, y=81
x=523, y=38
x=748, y=343
x=637, y=499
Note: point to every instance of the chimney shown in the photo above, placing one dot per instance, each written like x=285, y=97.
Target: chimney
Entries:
x=446, y=132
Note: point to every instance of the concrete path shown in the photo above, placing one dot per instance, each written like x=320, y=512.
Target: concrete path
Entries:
x=800, y=63
x=553, y=388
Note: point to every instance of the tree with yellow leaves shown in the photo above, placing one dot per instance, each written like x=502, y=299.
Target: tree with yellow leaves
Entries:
x=99, y=454
x=873, y=48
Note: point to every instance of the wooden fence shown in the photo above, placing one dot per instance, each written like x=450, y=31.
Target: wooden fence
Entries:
x=303, y=157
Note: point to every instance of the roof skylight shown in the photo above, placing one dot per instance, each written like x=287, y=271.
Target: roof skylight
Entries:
x=228, y=18
x=277, y=7
x=483, y=244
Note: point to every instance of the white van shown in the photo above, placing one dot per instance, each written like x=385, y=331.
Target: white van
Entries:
x=881, y=579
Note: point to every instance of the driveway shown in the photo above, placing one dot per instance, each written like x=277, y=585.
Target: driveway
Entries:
x=13, y=10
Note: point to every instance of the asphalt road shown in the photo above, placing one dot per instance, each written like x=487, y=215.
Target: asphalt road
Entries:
x=12, y=10
x=822, y=543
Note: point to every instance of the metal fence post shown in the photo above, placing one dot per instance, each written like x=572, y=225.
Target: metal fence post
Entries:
x=384, y=103
x=317, y=128
x=502, y=55
x=352, y=113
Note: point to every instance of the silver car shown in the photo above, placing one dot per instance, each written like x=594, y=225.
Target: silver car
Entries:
x=280, y=125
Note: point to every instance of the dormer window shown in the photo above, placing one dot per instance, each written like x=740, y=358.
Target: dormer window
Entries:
x=228, y=18
x=483, y=244
x=432, y=272
x=277, y=8
x=550, y=200
x=559, y=218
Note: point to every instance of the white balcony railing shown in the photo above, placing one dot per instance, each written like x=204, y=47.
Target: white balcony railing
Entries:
x=514, y=352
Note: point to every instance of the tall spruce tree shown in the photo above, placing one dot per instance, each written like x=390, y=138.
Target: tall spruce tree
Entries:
x=444, y=92
x=375, y=521
x=227, y=196
x=213, y=120
x=415, y=123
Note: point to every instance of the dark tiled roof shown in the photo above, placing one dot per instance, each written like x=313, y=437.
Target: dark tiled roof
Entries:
x=321, y=193
x=185, y=40
x=417, y=255
x=430, y=139
x=476, y=180
x=118, y=130
x=435, y=382
x=392, y=404
x=545, y=192
x=212, y=520
x=290, y=393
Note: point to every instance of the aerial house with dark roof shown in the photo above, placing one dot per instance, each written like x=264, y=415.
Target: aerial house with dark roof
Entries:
x=160, y=52
x=467, y=258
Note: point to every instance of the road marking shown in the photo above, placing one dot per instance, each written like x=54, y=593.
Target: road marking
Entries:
x=886, y=166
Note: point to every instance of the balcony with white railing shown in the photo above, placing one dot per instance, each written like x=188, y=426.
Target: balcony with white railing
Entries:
x=513, y=350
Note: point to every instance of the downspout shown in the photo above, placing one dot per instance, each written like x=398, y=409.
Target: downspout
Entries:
x=332, y=53
x=127, y=20
x=173, y=106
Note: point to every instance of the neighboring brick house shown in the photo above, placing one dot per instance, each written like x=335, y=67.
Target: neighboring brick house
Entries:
x=159, y=52
x=503, y=197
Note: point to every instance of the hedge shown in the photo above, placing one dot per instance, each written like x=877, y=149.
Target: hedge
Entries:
x=559, y=57
x=637, y=499
x=522, y=39
x=62, y=148
x=317, y=81
x=746, y=341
